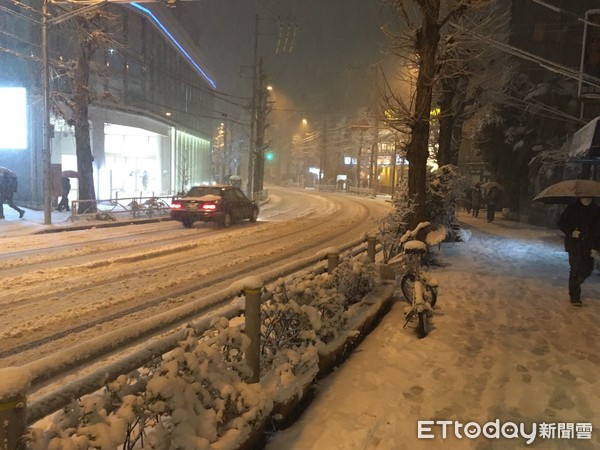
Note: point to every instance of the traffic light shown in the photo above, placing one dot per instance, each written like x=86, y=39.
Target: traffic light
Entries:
x=269, y=155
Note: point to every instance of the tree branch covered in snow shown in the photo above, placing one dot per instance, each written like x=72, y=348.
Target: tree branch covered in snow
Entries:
x=445, y=188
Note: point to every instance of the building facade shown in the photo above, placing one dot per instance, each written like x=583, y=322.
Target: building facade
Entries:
x=151, y=117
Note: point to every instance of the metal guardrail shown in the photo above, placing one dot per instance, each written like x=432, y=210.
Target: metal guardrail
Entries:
x=155, y=206
x=52, y=368
x=112, y=209
x=350, y=190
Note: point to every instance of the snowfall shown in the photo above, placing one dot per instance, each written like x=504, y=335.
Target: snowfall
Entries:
x=508, y=357
x=509, y=363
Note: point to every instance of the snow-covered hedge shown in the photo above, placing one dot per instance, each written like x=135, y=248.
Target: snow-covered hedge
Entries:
x=445, y=189
x=196, y=396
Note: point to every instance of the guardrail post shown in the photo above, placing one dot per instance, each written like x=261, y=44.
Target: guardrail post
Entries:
x=13, y=410
x=371, y=241
x=333, y=260
x=252, y=315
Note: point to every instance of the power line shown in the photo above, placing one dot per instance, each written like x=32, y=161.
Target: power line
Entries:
x=564, y=11
x=27, y=7
x=542, y=62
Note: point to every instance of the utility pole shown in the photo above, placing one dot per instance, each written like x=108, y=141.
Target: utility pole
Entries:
x=47, y=129
x=373, y=168
x=46, y=152
x=226, y=155
x=393, y=183
x=260, y=127
x=253, y=106
x=323, y=155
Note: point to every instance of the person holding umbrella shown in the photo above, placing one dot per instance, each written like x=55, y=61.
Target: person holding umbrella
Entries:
x=66, y=188
x=8, y=187
x=492, y=198
x=580, y=222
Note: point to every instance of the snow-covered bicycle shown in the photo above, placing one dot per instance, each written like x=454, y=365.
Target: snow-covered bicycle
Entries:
x=417, y=286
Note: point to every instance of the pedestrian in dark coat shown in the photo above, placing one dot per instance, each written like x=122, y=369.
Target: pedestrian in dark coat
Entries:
x=476, y=199
x=580, y=222
x=491, y=198
x=66, y=188
x=8, y=186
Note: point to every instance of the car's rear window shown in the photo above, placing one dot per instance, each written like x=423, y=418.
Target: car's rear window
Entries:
x=201, y=191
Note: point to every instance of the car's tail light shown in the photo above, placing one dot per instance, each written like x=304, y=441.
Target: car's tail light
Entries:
x=176, y=205
x=209, y=206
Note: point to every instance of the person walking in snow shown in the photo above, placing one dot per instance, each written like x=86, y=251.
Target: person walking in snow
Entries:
x=492, y=198
x=475, y=199
x=8, y=186
x=580, y=222
x=66, y=188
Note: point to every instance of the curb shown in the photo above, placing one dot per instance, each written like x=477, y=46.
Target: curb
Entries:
x=101, y=225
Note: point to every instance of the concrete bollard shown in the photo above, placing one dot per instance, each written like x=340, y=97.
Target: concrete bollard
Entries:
x=371, y=242
x=13, y=407
x=333, y=260
x=252, y=327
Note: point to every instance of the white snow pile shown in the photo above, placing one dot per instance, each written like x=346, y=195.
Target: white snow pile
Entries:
x=196, y=396
x=445, y=189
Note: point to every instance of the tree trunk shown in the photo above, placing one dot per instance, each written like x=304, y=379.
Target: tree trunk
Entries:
x=428, y=37
x=444, y=155
x=452, y=118
x=81, y=101
x=446, y=122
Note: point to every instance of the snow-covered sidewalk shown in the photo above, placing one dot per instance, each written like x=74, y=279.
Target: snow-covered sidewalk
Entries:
x=33, y=222
x=507, y=348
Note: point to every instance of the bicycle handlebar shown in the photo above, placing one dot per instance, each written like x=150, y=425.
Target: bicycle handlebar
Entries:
x=412, y=234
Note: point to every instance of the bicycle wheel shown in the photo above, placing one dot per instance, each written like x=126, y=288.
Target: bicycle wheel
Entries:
x=430, y=295
x=422, y=326
x=407, y=285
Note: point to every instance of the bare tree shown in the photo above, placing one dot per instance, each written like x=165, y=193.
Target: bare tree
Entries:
x=73, y=102
x=419, y=25
x=470, y=71
x=183, y=169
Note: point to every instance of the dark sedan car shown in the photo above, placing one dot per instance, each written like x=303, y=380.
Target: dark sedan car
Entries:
x=223, y=204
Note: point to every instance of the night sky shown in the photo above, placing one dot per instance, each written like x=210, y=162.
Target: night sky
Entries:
x=332, y=62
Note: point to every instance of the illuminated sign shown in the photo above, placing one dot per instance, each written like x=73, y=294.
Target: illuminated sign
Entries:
x=174, y=41
x=13, y=118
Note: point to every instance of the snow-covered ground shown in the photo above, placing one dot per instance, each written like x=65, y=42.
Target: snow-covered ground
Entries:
x=506, y=347
x=59, y=289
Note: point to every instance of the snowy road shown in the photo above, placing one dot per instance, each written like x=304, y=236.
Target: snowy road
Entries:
x=64, y=288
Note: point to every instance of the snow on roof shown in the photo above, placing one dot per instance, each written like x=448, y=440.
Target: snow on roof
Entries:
x=586, y=142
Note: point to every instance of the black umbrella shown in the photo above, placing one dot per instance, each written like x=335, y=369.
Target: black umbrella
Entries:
x=8, y=171
x=569, y=190
x=70, y=174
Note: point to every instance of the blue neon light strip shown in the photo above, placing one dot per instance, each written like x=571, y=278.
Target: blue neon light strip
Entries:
x=170, y=36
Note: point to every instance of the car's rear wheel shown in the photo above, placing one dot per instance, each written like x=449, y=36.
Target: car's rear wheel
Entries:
x=187, y=222
x=254, y=215
x=226, y=221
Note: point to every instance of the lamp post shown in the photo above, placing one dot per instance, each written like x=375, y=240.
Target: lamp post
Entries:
x=46, y=152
